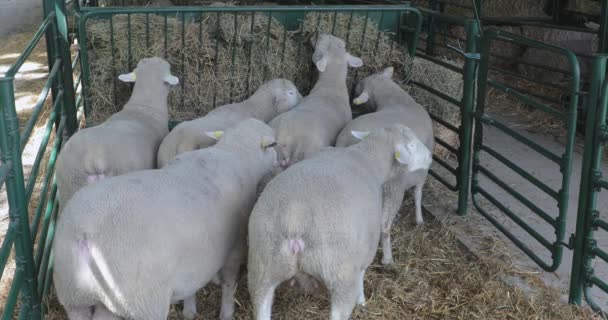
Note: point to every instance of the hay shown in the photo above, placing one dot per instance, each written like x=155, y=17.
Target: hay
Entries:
x=259, y=56
x=448, y=82
x=434, y=278
x=286, y=55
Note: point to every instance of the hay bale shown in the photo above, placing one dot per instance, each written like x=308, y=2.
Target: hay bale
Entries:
x=448, y=82
x=262, y=50
x=273, y=52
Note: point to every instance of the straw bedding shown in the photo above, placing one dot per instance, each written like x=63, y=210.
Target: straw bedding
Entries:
x=434, y=278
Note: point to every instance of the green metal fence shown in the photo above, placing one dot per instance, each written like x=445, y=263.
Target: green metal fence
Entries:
x=401, y=20
x=483, y=119
x=30, y=234
x=589, y=219
x=454, y=176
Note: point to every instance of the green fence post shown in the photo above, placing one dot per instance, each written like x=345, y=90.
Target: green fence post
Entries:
x=603, y=33
x=577, y=274
x=467, y=107
x=430, y=33
x=10, y=148
x=66, y=82
x=51, y=44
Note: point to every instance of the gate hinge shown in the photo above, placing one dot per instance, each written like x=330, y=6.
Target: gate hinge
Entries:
x=570, y=244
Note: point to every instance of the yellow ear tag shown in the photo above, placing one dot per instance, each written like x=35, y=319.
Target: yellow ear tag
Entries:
x=217, y=134
x=397, y=155
x=357, y=101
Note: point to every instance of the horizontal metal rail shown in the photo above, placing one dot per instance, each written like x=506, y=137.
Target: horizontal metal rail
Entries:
x=521, y=172
x=526, y=99
x=12, y=71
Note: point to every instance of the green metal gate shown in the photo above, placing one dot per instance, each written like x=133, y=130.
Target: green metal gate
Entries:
x=557, y=221
x=589, y=219
x=455, y=178
x=30, y=236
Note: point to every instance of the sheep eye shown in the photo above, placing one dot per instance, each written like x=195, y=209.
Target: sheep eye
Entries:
x=290, y=93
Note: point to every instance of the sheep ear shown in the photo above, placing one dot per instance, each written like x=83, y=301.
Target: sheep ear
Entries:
x=353, y=61
x=321, y=64
x=361, y=99
x=415, y=155
x=359, y=134
x=388, y=72
x=215, y=135
x=171, y=79
x=127, y=77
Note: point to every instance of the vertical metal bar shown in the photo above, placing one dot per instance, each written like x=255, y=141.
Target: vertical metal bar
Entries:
x=364, y=30
x=233, y=58
x=129, y=54
x=200, y=43
x=69, y=96
x=267, y=44
x=166, y=29
x=10, y=149
x=112, y=47
x=333, y=26
x=566, y=163
x=431, y=27
x=603, y=32
x=600, y=137
x=577, y=274
x=379, y=32
x=467, y=107
x=147, y=30
x=284, y=39
x=215, y=66
x=249, y=70
x=51, y=44
x=299, y=59
x=184, y=77
x=350, y=23
x=84, y=64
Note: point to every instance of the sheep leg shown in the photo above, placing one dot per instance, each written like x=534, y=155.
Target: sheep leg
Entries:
x=264, y=278
x=189, y=311
x=418, y=203
x=229, y=276
x=262, y=301
x=393, y=193
x=361, y=297
x=79, y=313
x=101, y=313
x=344, y=297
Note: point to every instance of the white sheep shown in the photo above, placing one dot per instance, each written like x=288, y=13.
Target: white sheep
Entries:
x=271, y=99
x=125, y=142
x=317, y=120
x=129, y=246
x=322, y=217
x=393, y=106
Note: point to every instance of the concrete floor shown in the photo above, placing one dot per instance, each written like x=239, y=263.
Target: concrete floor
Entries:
x=19, y=16
x=474, y=226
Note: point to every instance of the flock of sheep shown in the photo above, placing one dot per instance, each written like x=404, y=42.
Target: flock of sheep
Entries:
x=148, y=216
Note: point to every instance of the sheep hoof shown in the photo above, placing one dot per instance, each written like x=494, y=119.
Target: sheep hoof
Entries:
x=361, y=301
x=189, y=314
x=387, y=261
